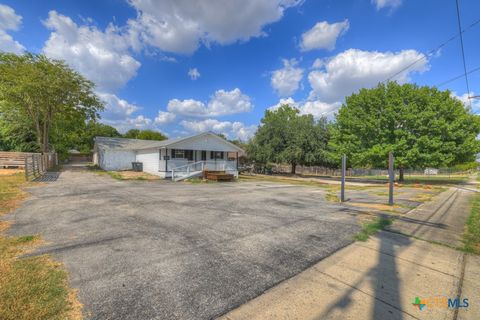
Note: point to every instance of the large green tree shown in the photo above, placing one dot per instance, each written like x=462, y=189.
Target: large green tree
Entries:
x=144, y=134
x=422, y=126
x=285, y=136
x=43, y=97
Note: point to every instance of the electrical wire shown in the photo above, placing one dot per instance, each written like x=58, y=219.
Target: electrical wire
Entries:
x=457, y=77
x=463, y=51
x=433, y=51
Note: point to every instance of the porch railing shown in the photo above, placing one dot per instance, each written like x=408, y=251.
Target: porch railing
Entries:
x=195, y=168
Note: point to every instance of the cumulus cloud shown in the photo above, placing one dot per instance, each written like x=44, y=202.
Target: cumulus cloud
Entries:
x=138, y=122
x=286, y=81
x=381, y=4
x=233, y=130
x=9, y=21
x=164, y=117
x=353, y=69
x=323, y=35
x=101, y=56
x=316, y=108
x=221, y=103
x=464, y=98
x=194, y=74
x=116, y=108
x=181, y=25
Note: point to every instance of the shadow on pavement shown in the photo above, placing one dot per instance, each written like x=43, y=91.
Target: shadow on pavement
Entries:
x=384, y=281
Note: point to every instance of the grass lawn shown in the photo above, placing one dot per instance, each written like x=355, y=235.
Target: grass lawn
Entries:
x=471, y=236
x=30, y=288
x=370, y=228
x=124, y=175
x=421, y=179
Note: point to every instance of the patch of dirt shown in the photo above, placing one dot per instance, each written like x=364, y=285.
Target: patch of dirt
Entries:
x=7, y=172
x=376, y=206
x=133, y=175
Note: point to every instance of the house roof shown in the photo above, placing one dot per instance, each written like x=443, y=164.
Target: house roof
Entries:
x=137, y=144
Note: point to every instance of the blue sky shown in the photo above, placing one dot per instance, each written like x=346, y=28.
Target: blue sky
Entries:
x=183, y=67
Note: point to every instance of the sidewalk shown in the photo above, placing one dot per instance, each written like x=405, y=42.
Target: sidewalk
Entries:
x=381, y=278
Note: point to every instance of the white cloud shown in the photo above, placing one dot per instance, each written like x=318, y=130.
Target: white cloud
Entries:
x=164, y=117
x=464, y=98
x=101, y=56
x=229, y=102
x=393, y=4
x=286, y=81
x=181, y=25
x=316, y=108
x=194, y=74
x=319, y=108
x=318, y=63
x=221, y=103
x=9, y=21
x=187, y=107
x=233, y=130
x=353, y=69
x=323, y=35
x=116, y=108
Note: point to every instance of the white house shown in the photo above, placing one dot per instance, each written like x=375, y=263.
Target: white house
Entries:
x=177, y=158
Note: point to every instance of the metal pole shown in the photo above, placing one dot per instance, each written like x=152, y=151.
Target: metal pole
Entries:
x=391, y=178
x=344, y=165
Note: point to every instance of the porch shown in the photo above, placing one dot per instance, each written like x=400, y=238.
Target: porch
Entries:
x=180, y=164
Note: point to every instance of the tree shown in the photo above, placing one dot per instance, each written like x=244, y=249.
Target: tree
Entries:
x=93, y=129
x=286, y=136
x=422, y=126
x=44, y=95
x=144, y=134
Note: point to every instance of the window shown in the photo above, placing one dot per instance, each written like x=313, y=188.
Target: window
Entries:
x=182, y=154
x=178, y=154
x=216, y=154
x=204, y=155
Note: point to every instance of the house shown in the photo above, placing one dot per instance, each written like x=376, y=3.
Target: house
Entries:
x=173, y=158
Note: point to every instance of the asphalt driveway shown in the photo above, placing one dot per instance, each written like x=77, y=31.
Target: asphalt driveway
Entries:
x=162, y=250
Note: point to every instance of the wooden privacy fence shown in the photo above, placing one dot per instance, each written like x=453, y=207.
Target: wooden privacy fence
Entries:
x=37, y=164
x=13, y=159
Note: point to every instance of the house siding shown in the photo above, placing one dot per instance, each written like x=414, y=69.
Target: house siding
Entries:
x=150, y=160
x=116, y=159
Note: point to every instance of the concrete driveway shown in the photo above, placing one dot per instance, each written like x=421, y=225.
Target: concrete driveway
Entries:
x=162, y=250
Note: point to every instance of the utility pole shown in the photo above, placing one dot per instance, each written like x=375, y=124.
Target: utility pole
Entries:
x=391, y=178
x=344, y=165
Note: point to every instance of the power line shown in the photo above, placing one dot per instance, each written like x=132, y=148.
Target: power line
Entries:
x=463, y=51
x=431, y=52
x=457, y=77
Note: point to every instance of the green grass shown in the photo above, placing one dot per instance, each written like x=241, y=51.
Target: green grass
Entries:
x=30, y=288
x=370, y=228
x=436, y=180
x=471, y=236
x=332, y=197
x=115, y=175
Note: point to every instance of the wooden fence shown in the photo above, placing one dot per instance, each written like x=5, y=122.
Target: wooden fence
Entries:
x=37, y=164
x=13, y=159
x=34, y=164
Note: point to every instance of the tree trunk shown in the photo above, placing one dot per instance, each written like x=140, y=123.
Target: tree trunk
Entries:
x=400, y=177
x=45, y=137
x=294, y=168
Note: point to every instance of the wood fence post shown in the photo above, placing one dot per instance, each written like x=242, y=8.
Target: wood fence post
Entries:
x=26, y=168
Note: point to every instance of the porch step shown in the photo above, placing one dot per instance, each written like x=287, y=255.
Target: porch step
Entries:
x=218, y=176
